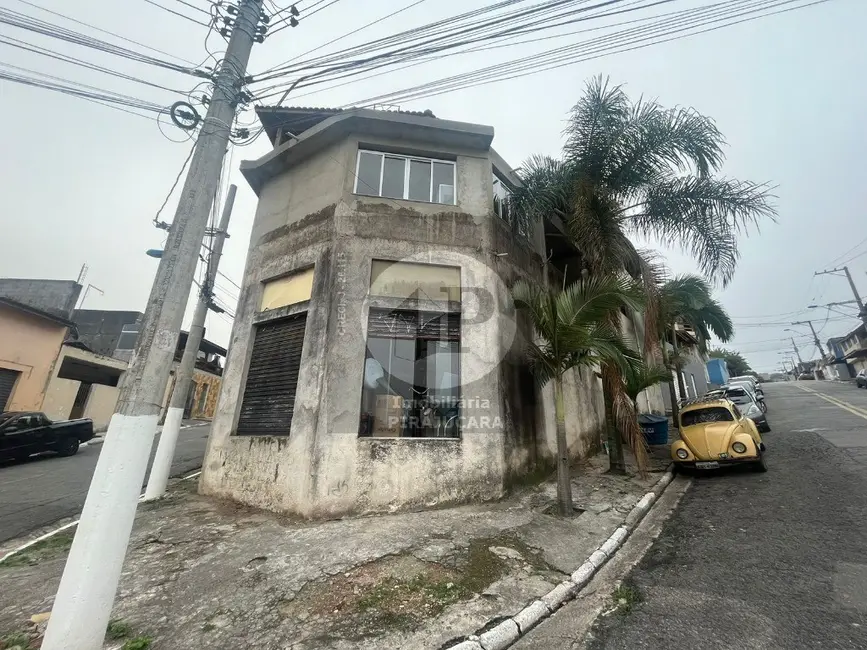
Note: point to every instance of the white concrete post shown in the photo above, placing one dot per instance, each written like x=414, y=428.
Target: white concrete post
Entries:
x=84, y=600
x=162, y=465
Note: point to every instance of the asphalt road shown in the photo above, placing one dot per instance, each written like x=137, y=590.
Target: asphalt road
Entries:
x=47, y=488
x=775, y=560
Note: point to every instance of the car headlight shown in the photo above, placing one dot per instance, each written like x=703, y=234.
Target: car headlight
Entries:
x=739, y=447
x=682, y=453
x=753, y=410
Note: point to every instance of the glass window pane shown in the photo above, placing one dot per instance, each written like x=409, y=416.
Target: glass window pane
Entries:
x=419, y=180
x=443, y=183
x=369, y=168
x=392, y=177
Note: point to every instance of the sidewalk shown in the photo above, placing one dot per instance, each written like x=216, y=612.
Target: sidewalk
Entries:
x=207, y=573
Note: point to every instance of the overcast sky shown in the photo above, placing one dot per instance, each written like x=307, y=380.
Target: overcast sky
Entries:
x=81, y=182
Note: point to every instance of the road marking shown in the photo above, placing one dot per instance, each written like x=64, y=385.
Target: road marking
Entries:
x=846, y=406
x=54, y=532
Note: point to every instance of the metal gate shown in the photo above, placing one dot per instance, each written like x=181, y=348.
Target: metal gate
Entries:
x=7, y=383
x=269, y=393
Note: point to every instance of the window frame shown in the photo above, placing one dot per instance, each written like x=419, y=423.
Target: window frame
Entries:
x=407, y=159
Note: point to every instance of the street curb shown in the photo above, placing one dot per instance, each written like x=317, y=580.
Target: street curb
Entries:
x=502, y=633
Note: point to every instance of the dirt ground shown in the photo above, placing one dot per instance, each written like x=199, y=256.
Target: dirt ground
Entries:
x=201, y=572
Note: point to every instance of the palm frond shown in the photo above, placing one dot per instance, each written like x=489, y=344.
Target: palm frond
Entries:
x=703, y=215
x=641, y=376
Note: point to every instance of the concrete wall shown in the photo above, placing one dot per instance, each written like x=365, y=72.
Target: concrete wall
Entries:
x=309, y=216
x=694, y=368
x=28, y=344
x=54, y=296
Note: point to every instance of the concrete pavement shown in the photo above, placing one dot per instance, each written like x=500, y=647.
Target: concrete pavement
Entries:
x=776, y=560
x=47, y=488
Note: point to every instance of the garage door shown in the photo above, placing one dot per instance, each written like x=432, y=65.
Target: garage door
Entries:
x=7, y=383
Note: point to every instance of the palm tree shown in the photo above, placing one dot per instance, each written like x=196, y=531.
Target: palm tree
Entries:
x=572, y=329
x=638, y=169
x=688, y=299
x=640, y=376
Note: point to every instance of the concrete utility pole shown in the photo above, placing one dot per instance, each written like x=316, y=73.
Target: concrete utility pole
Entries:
x=862, y=313
x=87, y=589
x=815, y=336
x=797, y=352
x=162, y=465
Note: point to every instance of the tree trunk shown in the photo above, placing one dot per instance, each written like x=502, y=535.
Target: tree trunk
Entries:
x=675, y=412
x=616, y=462
x=564, y=482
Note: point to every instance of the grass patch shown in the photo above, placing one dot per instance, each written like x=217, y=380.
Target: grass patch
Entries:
x=15, y=640
x=118, y=629
x=47, y=549
x=625, y=598
x=396, y=602
x=138, y=643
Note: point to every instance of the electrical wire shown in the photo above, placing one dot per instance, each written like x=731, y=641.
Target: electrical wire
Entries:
x=22, y=21
x=176, y=13
x=102, y=31
x=192, y=6
x=23, y=45
x=566, y=56
x=172, y=188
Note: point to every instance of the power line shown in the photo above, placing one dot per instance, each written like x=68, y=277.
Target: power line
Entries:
x=14, y=42
x=22, y=21
x=569, y=55
x=103, y=31
x=192, y=6
x=177, y=13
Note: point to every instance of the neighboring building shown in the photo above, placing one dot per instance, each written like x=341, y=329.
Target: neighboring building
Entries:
x=376, y=361
x=854, y=347
x=41, y=371
x=56, y=297
x=101, y=329
x=717, y=372
x=834, y=364
x=114, y=333
x=693, y=371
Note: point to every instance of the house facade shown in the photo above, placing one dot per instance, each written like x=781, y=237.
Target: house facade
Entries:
x=376, y=358
x=854, y=347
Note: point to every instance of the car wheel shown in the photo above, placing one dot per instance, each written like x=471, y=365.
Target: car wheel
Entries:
x=766, y=428
x=760, y=465
x=68, y=447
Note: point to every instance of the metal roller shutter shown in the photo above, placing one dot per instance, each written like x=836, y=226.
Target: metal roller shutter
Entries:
x=7, y=383
x=405, y=324
x=269, y=395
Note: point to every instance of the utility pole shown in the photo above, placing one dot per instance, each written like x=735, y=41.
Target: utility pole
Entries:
x=87, y=589
x=815, y=336
x=797, y=352
x=862, y=313
x=161, y=467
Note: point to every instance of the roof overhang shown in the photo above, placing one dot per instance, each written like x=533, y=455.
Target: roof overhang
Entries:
x=415, y=129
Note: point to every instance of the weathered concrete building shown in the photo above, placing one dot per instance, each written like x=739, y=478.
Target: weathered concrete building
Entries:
x=376, y=359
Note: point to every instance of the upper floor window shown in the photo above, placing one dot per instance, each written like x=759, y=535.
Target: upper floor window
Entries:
x=405, y=177
x=501, y=200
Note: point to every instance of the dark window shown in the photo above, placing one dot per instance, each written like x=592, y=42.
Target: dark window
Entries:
x=702, y=416
x=269, y=394
x=411, y=383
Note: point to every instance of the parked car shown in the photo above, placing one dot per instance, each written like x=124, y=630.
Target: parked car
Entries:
x=752, y=380
x=806, y=376
x=748, y=405
x=861, y=379
x=26, y=433
x=715, y=433
x=750, y=387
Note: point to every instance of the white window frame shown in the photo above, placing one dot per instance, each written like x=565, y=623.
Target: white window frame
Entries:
x=406, y=167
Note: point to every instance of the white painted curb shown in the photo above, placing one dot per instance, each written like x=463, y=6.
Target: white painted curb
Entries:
x=506, y=632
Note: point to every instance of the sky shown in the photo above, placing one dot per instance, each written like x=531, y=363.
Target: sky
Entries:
x=81, y=182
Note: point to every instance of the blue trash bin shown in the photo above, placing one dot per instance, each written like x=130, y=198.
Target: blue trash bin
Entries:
x=654, y=428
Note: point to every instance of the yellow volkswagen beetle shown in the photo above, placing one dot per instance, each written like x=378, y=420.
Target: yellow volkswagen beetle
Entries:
x=714, y=433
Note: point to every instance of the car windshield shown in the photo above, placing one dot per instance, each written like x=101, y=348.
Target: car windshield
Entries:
x=739, y=396
x=705, y=415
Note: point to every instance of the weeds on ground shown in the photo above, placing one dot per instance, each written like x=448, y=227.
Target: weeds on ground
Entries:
x=47, y=549
x=625, y=598
x=118, y=629
x=138, y=643
x=15, y=640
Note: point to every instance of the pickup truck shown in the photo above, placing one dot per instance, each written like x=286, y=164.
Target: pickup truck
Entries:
x=26, y=433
